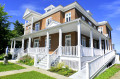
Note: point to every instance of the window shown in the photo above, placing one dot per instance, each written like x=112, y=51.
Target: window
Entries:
x=100, y=29
x=89, y=43
x=68, y=17
x=84, y=41
x=36, y=42
x=37, y=25
x=90, y=23
x=49, y=42
x=83, y=18
x=95, y=44
x=48, y=21
x=67, y=40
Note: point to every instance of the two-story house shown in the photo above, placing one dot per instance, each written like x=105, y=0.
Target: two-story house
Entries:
x=63, y=34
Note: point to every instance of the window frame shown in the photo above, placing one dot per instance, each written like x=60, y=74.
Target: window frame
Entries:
x=38, y=26
x=68, y=17
x=67, y=39
x=36, y=42
x=50, y=18
x=83, y=43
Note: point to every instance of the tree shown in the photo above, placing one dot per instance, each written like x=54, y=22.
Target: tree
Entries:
x=4, y=29
x=18, y=31
x=18, y=28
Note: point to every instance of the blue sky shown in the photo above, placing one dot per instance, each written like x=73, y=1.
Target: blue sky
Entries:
x=102, y=10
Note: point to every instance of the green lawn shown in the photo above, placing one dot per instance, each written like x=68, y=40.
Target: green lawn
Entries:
x=109, y=72
x=27, y=75
x=9, y=67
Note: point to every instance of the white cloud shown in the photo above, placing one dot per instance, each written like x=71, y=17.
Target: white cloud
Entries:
x=118, y=28
x=30, y=6
x=22, y=8
x=14, y=12
x=113, y=8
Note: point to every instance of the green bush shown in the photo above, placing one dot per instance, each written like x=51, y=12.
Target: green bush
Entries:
x=26, y=60
x=63, y=70
x=2, y=56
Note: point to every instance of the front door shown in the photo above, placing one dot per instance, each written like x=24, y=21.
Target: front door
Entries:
x=36, y=42
x=68, y=40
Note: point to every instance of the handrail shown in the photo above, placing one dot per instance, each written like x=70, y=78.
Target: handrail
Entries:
x=100, y=61
x=54, y=56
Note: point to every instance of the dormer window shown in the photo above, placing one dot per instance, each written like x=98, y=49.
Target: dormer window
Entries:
x=48, y=21
x=83, y=18
x=49, y=8
x=90, y=23
x=68, y=17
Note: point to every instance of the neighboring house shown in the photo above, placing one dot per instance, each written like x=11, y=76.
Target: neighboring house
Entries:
x=64, y=34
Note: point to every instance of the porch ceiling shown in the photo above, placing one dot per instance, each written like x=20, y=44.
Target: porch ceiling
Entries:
x=66, y=27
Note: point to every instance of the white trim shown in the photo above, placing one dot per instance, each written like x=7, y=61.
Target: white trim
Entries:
x=68, y=39
x=38, y=27
x=68, y=16
x=50, y=19
x=36, y=42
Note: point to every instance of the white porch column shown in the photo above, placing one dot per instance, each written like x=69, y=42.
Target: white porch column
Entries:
x=91, y=42
x=25, y=28
x=32, y=24
x=79, y=44
x=23, y=43
x=29, y=45
x=60, y=41
x=100, y=46
x=47, y=51
x=14, y=43
x=11, y=44
x=105, y=46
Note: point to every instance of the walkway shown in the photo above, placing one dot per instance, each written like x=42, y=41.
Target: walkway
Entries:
x=31, y=68
x=116, y=76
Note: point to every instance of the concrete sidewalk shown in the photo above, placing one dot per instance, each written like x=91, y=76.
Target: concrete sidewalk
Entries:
x=116, y=76
x=32, y=68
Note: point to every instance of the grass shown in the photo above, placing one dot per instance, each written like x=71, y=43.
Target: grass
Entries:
x=9, y=67
x=27, y=75
x=109, y=72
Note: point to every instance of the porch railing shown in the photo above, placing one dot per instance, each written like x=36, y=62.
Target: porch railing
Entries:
x=40, y=50
x=69, y=51
x=98, y=51
x=86, y=51
x=94, y=66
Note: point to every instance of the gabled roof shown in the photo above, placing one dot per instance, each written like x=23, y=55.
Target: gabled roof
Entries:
x=105, y=23
x=28, y=11
x=53, y=23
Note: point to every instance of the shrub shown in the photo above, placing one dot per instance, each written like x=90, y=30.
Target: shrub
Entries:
x=2, y=56
x=26, y=60
x=66, y=71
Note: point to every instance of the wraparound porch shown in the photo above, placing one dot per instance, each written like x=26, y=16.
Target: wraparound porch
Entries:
x=66, y=49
